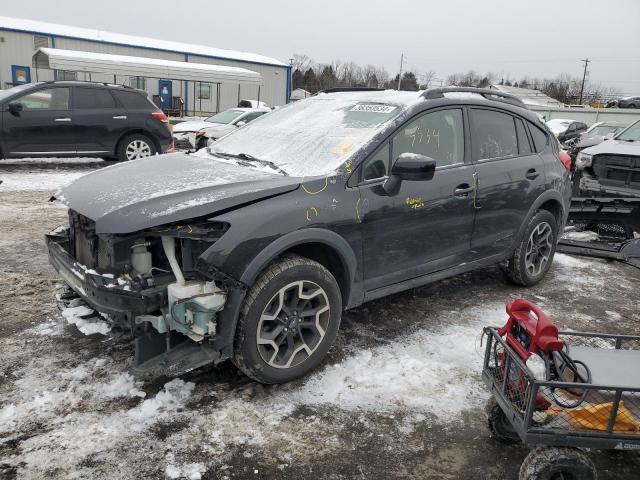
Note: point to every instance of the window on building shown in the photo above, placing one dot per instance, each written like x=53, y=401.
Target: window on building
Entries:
x=47, y=99
x=65, y=75
x=138, y=82
x=493, y=134
x=203, y=91
x=438, y=135
x=40, y=41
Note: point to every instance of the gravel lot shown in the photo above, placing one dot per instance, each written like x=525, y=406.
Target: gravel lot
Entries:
x=399, y=396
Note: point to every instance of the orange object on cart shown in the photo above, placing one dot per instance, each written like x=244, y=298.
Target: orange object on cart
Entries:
x=596, y=417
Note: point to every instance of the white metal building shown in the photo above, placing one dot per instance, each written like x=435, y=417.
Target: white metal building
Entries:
x=20, y=39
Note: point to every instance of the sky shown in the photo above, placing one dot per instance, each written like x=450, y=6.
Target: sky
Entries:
x=511, y=38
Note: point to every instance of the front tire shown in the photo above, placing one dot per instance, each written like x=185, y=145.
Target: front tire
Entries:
x=289, y=320
x=533, y=256
x=551, y=463
x=135, y=146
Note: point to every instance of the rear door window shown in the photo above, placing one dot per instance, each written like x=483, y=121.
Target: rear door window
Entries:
x=133, y=100
x=493, y=134
x=92, y=98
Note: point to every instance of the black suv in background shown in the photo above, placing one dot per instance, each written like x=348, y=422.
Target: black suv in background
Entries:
x=251, y=248
x=72, y=118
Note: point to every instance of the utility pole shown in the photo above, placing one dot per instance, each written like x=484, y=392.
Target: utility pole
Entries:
x=400, y=74
x=584, y=77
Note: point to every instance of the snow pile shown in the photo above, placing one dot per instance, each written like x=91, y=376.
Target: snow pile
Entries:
x=174, y=395
x=89, y=326
x=122, y=385
x=191, y=471
x=50, y=329
x=431, y=372
x=585, y=236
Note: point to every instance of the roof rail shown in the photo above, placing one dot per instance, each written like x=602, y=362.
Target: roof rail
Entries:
x=350, y=89
x=433, y=93
x=93, y=82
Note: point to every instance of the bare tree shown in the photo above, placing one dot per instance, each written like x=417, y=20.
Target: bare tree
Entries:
x=301, y=62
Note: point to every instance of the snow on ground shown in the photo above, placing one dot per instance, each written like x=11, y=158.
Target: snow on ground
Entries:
x=86, y=320
x=45, y=180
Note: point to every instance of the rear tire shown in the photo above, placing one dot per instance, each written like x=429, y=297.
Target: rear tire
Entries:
x=288, y=322
x=499, y=425
x=551, y=463
x=533, y=257
x=135, y=146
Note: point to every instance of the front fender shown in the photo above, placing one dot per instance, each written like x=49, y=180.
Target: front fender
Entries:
x=307, y=235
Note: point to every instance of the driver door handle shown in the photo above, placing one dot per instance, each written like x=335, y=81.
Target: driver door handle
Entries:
x=62, y=119
x=120, y=117
x=463, y=190
x=532, y=174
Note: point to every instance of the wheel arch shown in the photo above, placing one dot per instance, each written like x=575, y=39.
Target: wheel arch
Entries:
x=137, y=131
x=324, y=246
x=551, y=201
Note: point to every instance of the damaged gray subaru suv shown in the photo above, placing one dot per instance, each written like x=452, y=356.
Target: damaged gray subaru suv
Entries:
x=251, y=249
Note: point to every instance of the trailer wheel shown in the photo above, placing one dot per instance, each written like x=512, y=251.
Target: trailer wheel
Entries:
x=551, y=463
x=499, y=425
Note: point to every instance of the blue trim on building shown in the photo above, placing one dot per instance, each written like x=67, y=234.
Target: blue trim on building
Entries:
x=186, y=90
x=143, y=47
x=288, y=94
x=53, y=45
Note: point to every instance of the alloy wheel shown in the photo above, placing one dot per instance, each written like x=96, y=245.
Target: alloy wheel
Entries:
x=293, y=324
x=539, y=248
x=138, y=149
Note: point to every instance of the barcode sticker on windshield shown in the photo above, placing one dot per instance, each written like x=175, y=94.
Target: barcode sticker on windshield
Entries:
x=373, y=108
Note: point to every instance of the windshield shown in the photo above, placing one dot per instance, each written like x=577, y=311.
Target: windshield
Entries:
x=314, y=136
x=12, y=91
x=631, y=134
x=225, y=117
x=603, y=130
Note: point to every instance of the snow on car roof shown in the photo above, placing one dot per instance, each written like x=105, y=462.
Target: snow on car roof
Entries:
x=35, y=26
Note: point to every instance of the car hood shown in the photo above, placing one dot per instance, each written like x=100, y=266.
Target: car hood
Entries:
x=586, y=142
x=614, y=147
x=163, y=189
x=217, y=131
x=194, y=126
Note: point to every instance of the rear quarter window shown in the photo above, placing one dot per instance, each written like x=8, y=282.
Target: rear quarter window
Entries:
x=540, y=138
x=133, y=100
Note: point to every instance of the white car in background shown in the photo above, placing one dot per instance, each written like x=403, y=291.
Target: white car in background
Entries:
x=195, y=134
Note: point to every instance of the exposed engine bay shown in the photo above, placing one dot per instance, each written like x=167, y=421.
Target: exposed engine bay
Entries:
x=145, y=283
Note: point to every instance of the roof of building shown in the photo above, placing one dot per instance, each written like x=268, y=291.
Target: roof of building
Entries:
x=45, y=28
x=529, y=96
x=76, y=61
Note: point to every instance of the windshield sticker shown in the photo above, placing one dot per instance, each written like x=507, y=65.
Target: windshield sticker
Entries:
x=373, y=108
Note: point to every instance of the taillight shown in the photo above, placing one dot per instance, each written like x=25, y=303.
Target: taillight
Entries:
x=565, y=159
x=160, y=116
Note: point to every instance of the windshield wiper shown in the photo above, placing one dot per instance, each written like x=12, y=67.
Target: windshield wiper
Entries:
x=250, y=158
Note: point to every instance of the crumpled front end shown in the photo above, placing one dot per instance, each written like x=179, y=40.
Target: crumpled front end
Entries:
x=147, y=284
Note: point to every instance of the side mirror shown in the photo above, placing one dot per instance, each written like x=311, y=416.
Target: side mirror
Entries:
x=15, y=107
x=241, y=123
x=409, y=166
